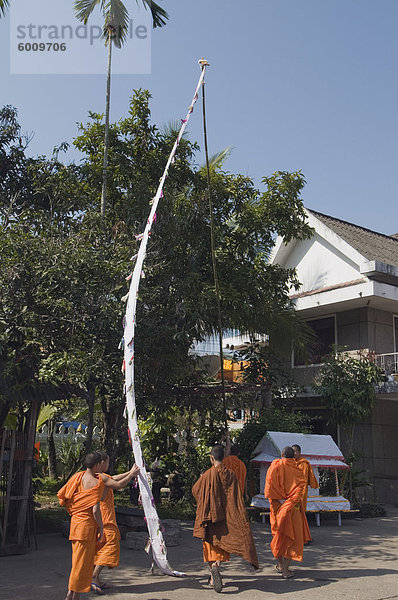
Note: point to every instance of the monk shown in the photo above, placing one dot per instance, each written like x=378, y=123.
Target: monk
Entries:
x=233, y=462
x=221, y=520
x=81, y=496
x=306, y=468
x=108, y=555
x=310, y=478
x=286, y=482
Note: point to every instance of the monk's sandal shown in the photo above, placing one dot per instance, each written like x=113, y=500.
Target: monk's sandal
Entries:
x=217, y=581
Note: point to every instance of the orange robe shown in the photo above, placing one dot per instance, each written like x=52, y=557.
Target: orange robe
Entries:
x=310, y=478
x=83, y=529
x=109, y=554
x=221, y=519
x=239, y=468
x=285, y=481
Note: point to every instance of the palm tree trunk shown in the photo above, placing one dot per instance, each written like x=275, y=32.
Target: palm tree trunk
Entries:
x=106, y=140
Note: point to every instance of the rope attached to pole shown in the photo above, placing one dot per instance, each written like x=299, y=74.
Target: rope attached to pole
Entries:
x=204, y=63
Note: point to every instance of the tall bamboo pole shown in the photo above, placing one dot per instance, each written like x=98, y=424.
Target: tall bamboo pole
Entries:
x=204, y=63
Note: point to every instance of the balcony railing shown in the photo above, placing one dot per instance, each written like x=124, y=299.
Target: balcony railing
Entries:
x=388, y=363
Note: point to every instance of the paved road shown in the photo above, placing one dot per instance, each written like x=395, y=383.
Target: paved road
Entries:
x=358, y=561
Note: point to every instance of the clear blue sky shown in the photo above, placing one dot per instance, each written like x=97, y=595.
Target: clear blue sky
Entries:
x=293, y=84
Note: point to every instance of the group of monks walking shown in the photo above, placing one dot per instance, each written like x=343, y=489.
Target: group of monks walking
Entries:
x=221, y=518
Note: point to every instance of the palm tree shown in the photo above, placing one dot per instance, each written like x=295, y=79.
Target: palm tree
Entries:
x=115, y=31
x=3, y=6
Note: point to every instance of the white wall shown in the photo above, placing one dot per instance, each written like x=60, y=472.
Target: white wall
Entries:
x=319, y=264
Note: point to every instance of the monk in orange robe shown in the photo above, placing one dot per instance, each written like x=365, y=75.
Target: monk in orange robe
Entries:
x=221, y=519
x=306, y=468
x=233, y=462
x=81, y=496
x=310, y=478
x=108, y=555
x=285, y=482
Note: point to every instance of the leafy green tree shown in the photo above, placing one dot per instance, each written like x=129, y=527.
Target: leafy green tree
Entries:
x=253, y=292
x=116, y=19
x=38, y=316
x=346, y=384
x=65, y=267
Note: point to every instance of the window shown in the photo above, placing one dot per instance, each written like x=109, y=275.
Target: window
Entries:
x=239, y=414
x=395, y=334
x=325, y=331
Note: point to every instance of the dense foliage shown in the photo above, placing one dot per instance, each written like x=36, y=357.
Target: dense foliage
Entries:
x=64, y=268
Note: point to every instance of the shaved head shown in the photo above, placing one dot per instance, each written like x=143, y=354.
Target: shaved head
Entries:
x=297, y=450
x=287, y=452
x=217, y=452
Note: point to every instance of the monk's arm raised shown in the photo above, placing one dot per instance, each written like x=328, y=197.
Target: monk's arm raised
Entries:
x=120, y=476
x=121, y=483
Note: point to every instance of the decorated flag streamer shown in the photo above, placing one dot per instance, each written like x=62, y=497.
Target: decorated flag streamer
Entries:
x=156, y=540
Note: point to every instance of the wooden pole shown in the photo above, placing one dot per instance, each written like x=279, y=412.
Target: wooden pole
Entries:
x=203, y=64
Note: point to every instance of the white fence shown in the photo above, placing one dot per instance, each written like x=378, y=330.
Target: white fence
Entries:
x=63, y=434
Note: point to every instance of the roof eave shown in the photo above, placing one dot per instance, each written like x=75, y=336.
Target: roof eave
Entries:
x=380, y=271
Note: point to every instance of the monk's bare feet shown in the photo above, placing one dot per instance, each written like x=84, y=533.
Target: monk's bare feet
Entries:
x=97, y=588
x=287, y=574
x=72, y=595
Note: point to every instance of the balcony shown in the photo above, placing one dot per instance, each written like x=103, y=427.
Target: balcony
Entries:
x=388, y=363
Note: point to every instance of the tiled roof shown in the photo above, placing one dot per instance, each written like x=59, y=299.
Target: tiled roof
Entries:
x=372, y=245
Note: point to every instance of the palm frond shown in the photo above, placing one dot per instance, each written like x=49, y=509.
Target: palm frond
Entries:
x=4, y=4
x=159, y=15
x=84, y=8
x=47, y=411
x=217, y=160
x=116, y=20
x=171, y=128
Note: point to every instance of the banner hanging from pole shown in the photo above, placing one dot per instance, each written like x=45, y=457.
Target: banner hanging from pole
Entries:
x=156, y=540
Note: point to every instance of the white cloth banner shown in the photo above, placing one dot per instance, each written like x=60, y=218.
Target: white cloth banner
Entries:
x=155, y=534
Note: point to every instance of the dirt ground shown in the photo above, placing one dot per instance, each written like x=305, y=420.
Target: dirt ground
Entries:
x=356, y=561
